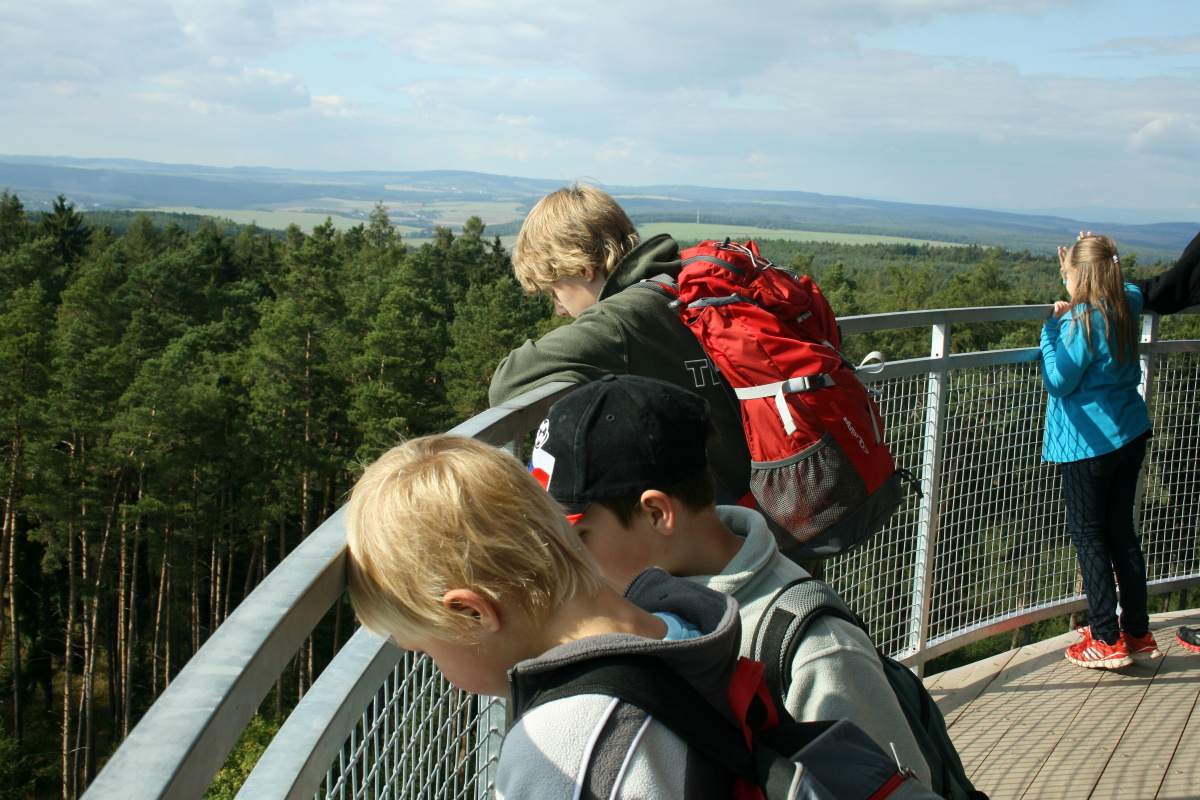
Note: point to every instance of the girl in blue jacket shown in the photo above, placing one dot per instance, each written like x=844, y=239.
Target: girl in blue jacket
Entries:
x=1097, y=427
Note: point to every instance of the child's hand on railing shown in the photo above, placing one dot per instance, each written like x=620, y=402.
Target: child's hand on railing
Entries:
x=1060, y=307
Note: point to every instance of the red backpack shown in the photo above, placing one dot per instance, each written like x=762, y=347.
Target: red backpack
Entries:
x=820, y=471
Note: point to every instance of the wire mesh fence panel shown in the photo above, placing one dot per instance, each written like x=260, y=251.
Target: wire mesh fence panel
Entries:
x=1171, y=495
x=1000, y=546
x=876, y=578
x=419, y=739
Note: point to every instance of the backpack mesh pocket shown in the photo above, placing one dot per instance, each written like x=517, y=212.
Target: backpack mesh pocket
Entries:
x=808, y=493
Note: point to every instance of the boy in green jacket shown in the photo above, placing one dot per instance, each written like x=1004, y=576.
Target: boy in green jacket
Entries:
x=579, y=247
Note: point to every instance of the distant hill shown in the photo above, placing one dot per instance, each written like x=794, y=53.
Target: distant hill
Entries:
x=423, y=199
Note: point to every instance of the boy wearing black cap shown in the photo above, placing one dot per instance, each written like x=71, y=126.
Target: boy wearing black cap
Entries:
x=625, y=457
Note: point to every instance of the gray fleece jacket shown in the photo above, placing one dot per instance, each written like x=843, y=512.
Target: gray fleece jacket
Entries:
x=836, y=673
x=635, y=332
x=598, y=746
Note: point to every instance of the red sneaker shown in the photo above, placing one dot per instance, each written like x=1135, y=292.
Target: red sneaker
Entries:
x=1189, y=638
x=1095, y=654
x=1140, y=648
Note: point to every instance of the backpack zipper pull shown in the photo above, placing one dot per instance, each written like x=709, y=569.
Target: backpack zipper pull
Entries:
x=901, y=770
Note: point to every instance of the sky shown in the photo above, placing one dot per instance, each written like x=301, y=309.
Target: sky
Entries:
x=1023, y=105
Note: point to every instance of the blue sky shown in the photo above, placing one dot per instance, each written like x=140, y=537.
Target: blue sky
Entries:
x=1047, y=105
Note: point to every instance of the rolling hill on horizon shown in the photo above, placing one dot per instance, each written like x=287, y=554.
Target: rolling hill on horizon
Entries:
x=419, y=200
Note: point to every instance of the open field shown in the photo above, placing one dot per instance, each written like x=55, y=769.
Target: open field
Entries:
x=276, y=220
x=693, y=231
x=454, y=214
x=348, y=213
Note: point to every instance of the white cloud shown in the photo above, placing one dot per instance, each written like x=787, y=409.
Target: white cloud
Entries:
x=237, y=28
x=89, y=41
x=258, y=90
x=517, y=120
x=1175, y=136
x=631, y=43
x=1148, y=46
x=336, y=106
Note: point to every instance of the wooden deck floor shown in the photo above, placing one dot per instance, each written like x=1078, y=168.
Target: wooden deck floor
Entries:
x=1030, y=724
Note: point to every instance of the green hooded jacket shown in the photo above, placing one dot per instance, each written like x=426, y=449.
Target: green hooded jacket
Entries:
x=634, y=332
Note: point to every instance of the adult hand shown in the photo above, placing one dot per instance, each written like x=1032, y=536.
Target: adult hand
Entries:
x=1062, y=255
x=1082, y=235
x=1060, y=307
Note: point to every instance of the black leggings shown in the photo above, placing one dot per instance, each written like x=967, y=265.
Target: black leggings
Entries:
x=1100, y=492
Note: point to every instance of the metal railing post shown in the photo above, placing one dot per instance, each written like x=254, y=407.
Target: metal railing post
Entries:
x=491, y=726
x=927, y=520
x=1149, y=336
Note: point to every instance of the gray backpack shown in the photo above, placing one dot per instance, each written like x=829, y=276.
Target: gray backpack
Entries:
x=780, y=631
x=830, y=760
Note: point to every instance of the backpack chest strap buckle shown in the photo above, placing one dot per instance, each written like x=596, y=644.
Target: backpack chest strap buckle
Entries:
x=780, y=389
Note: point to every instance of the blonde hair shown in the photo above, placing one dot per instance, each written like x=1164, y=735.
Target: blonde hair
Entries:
x=449, y=512
x=569, y=232
x=1100, y=286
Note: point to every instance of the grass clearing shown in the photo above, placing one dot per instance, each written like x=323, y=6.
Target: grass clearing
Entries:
x=348, y=213
x=457, y=213
x=454, y=214
x=275, y=220
x=701, y=231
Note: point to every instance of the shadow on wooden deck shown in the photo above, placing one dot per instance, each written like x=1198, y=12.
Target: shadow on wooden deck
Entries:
x=1030, y=724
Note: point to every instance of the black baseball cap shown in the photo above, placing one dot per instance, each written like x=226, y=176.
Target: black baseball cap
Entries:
x=618, y=437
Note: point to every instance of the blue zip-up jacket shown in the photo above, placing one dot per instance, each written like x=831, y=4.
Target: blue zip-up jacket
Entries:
x=1094, y=406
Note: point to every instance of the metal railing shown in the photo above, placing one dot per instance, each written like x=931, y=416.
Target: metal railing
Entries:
x=983, y=549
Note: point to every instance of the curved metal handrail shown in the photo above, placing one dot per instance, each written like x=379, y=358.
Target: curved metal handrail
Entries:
x=868, y=323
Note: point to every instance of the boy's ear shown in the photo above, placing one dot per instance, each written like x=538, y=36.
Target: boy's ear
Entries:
x=660, y=511
x=480, y=610
x=593, y=273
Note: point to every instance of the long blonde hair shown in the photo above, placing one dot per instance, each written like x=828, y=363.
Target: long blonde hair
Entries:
x=1100, y=286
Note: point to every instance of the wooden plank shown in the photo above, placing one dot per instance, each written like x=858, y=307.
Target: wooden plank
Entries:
x=985, y=714
x=1027, y=729
x=1181, y=778
x=1026, y=721
x=1144, y=753
x=1086, y=748
x=956, y=689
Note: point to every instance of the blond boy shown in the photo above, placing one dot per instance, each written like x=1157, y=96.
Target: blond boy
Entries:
x=579, y=247
x=455, y=551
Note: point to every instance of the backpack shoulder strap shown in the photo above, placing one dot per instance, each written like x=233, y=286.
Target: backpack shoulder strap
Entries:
x=785, y=622
x=663, y=283
x=649, y=684
x=778, y=636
